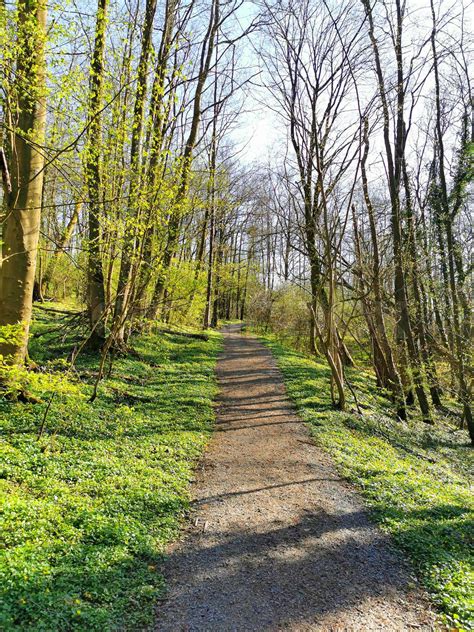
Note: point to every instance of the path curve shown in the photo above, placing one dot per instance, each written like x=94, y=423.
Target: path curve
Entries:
x=278, y=541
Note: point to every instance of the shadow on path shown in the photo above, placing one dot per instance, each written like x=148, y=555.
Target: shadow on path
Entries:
x=278, y=541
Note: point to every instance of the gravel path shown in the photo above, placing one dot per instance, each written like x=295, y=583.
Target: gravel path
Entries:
x=278, y=541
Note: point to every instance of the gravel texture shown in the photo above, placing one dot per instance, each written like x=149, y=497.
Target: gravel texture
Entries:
x=277, y=540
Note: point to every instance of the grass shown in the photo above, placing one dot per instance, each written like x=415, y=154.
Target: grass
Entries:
x=415, y=478
x=89, y=507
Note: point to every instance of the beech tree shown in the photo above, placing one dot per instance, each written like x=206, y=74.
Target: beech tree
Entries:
x=93, y=175
x=23, y=173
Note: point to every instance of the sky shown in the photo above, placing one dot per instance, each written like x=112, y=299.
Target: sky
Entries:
x=261, y=131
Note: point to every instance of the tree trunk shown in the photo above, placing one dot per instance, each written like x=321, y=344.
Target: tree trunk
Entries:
x=461, y=335
x=21, y=227
x=207, y=52
x=135, y=230
x=394, y=171
x=92, y=165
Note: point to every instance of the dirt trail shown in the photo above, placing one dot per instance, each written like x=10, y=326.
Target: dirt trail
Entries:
x=278, y=541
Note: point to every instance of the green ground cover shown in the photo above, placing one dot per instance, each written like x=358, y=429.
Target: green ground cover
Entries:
x=88, y=508
x=415, y=478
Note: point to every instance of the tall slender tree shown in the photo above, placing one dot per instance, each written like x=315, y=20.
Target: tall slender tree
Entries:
x=93, y=177
x=21, y=226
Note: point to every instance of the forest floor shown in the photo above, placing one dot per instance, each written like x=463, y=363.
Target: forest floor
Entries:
x=92, y=493
x=279, y=541
x=88, y=506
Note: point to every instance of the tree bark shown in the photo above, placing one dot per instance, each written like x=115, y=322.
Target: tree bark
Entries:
x=23, y=209
x=92, y=166
x=135, y=230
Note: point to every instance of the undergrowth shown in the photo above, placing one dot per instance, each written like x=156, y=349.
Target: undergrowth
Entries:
x=414, y=477
x=90, y=505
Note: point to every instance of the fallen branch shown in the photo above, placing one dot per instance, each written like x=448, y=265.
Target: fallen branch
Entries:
x=185, y=334
x=404, y=447
x=54, y=310
x=43, y=422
